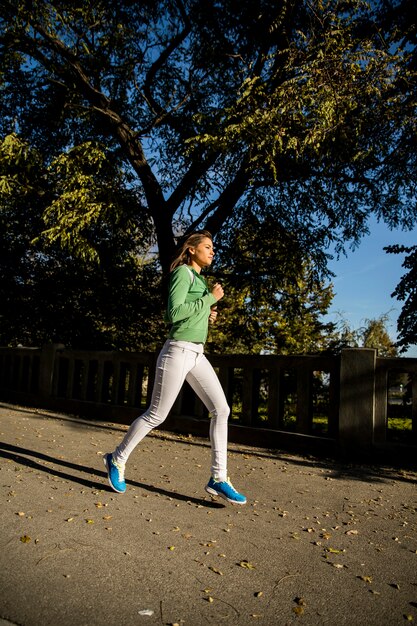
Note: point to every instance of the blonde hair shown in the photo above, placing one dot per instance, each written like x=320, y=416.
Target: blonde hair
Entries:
x=183, y=255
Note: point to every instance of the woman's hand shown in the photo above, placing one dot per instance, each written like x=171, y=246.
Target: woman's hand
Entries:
x=213, y=315
x=217, y=291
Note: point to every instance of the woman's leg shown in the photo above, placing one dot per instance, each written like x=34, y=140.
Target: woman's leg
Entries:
x=171, y=369
x=204, y=381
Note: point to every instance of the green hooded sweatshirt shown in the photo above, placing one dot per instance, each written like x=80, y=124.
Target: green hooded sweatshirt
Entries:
x=189, y=303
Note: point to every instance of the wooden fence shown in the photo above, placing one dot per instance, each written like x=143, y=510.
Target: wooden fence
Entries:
x=355, y=401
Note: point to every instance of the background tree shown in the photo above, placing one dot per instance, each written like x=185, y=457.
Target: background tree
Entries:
x=374, y=334
x=302, y=113
x=406, y=291
x=290, y=325
x=97, y=298
x=273, y=301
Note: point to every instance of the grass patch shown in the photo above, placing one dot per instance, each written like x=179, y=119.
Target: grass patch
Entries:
x=400, y=423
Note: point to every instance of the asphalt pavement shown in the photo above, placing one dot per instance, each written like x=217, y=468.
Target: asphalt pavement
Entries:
x=319, y=542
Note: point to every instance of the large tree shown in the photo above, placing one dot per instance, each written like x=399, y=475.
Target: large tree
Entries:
x=300, y=112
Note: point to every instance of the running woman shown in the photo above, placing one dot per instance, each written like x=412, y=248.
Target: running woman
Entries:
x=190, y=308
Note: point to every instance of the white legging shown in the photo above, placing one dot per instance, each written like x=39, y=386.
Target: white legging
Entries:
x=179, y=361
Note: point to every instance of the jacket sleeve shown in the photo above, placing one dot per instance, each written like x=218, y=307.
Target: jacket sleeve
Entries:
x=178, y=309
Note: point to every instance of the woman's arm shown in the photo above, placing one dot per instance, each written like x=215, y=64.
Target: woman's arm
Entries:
x=178, y=309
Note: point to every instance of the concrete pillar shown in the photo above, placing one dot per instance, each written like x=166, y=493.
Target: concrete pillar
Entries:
x=357, y=398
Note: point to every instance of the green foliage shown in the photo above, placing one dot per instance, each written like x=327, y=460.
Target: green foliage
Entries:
x=47, y=293
x=373, y=334
x=406, y=291
x=313, y=92
x=280, y=311
x=291, y=325
x=77, y=208
x=146, y=120
x=89, y=194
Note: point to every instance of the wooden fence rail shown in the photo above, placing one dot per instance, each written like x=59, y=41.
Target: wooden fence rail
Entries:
x=347, y=402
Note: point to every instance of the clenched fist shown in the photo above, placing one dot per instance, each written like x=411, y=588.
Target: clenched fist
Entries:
x=217, y=291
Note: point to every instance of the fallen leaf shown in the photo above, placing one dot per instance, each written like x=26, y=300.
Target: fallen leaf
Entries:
x=298, y=610
x=258, y=594
x=171, y=548
x=366, y=579
x=334, y=551
x=89, y=521
x=25, y=539
x=247, y=565
x=216, y=571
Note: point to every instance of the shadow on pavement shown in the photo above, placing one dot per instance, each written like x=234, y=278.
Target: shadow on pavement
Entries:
x=19, y=455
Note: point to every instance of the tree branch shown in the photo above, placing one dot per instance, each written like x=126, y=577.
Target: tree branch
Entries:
x=157, y=65
x=227, y=200
x=126, y=137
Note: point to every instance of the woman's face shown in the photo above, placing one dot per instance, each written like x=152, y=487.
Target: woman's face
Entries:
x=202, y=255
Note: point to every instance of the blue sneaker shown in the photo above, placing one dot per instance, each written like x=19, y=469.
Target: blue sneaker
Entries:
x=115, y=473
x=226, y=490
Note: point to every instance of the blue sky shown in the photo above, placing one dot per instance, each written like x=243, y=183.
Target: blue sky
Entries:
x=365, y=279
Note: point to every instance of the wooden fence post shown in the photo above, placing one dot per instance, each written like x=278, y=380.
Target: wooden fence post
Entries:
x=47, y=366
x=357, y=398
